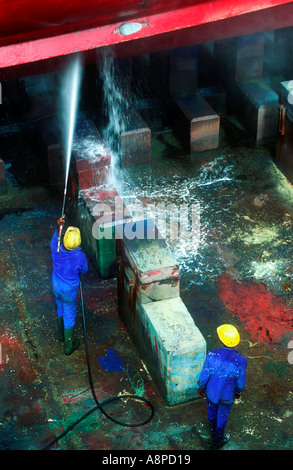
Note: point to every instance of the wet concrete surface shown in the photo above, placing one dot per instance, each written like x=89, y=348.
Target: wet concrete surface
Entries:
x=241, y=272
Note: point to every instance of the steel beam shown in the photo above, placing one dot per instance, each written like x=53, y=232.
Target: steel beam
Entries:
x=193, y=24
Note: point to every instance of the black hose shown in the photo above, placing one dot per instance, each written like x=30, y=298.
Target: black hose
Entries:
x=105, y=402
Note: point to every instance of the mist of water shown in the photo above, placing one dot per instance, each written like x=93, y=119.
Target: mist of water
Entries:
x=115, y=114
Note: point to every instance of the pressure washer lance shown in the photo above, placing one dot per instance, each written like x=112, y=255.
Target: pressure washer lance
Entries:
x=61, y=225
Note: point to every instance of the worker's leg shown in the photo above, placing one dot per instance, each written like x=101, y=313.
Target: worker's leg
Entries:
x=60, y=313
x=69, y=315
x=59, y=303
x=212, y=416
x=222, y=418
x=69, y=306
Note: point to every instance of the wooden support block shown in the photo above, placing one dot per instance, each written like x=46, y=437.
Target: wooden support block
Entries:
x=198, y=124
x=258, y=108
x=3, y=183
x=135, y=141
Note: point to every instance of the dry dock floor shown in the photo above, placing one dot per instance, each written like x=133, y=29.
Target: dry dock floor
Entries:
x=241, y=273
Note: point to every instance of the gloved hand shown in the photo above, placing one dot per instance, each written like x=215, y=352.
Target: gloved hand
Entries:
x=237, y=395
x=61, y=220
x=201, y=392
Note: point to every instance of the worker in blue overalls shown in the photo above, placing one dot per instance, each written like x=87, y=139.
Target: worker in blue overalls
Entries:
x=68, y=264
x=222, y=380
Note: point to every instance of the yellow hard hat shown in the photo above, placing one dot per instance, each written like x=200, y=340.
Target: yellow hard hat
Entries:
x=72, y=238
x=229, y=335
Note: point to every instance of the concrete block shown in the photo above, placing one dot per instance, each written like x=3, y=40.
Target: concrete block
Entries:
x=173, y=348
x=281, y=53
x=284, y=147
x=160, y=73
x=141, y=75
x=46, y=133
x=285, y=97
x=183, y=70
x=167, y=340
x=43, y=94
x=154, y=112
x=155, y=316
x=56, y=166
x=239, y=58
x=198, y=124
x=90, y=159
x=149, y=264
x=3, y=183
x=258, y=108
x=215, y=97
x=135, y=141
x=100, y=210
x=206, y=65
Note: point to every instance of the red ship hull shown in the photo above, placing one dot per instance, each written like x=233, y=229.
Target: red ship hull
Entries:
x=33, y=33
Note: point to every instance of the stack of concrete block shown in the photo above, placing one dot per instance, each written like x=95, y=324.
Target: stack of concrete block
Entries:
x=216, y=98
x=206, y=65
x=98, y=213
x=278, y=57
x=149, y=301
x=160, y=74
x=239, y=58
x=160, y=325
x=135, y=140
x=91, y=198
x=56, y=166
x=197, y=123
x=42, y=92
x=90, y=159
x=3, y=183
x=258, y=108
x=183, y=70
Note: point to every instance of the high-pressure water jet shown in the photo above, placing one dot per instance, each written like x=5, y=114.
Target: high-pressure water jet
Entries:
x=70, y=103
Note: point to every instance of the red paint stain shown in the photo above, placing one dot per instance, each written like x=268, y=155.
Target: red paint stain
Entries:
x=13, y=355
x=150, y=390
x=69, y=399
x=46, y=297
x=267, y=317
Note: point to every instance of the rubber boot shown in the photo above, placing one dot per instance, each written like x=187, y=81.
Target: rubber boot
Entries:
x=60, y=329
x=224, y=441
x=71, y=344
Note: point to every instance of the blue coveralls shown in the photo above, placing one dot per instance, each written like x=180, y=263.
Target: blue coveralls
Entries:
x=222, y=375
x=67, y=265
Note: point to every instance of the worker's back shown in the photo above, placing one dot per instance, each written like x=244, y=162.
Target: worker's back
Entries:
x=67, y=265
x=223, y=374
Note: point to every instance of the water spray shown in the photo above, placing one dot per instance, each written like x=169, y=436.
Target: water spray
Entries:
x=74, y=80
x=73, y=76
